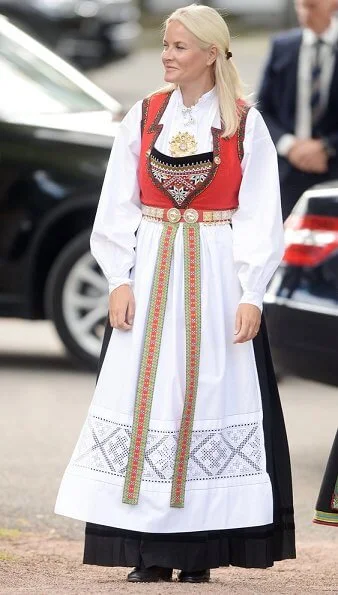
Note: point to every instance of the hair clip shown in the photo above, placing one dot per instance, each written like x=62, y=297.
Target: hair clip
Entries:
x=228, y=55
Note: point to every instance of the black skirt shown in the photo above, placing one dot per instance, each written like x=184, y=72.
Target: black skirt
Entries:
x=253, y=547
x=326, y=512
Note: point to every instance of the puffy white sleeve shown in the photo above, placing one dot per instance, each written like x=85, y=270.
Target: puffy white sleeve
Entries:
x=258, y=235
x=118, y=213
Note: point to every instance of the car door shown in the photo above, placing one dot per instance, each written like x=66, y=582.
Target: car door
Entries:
x=56, y=130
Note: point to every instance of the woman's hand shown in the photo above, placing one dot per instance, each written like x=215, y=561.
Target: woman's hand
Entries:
x=248, y=321
x=122, y=308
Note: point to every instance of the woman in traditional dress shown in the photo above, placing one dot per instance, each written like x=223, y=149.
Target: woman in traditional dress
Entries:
x=326, y=511
x=183, y=459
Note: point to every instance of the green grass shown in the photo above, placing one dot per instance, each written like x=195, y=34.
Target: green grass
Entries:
x=6, y=557
x=9, y=533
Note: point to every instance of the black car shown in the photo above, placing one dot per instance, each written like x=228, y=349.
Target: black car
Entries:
x=302, y=300
x=56, y=132
x=85, y=32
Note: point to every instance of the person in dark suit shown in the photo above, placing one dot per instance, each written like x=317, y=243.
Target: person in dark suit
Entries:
x=298, y=98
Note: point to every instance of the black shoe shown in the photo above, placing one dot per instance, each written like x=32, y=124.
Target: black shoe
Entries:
x=154, y=574
x=199, y=576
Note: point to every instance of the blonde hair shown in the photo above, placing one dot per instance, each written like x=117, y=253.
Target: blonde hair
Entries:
x=209, y=27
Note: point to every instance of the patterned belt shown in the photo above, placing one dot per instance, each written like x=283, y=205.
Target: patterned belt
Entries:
x=175, y=215
x=150, y=355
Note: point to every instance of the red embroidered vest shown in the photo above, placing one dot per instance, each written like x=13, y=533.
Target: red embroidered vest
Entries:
x=218, y=191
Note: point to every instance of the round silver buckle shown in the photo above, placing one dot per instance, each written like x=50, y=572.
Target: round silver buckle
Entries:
x=190, y=216
x=173, y=215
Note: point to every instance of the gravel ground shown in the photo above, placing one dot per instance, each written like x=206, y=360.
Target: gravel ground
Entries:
x=42, y=564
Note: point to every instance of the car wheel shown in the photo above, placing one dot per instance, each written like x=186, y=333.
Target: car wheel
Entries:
x=76, y=300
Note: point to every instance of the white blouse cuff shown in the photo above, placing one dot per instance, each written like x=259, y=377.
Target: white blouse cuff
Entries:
x=285, y=143
x=254, y=298
x=117, y=281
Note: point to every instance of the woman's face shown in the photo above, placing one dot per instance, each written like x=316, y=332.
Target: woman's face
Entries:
x=183, y=59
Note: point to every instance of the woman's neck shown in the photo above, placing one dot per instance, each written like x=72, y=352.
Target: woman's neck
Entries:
x=191, y=93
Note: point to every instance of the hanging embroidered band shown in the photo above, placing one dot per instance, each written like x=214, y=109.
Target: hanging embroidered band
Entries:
x=149, y=362
x=192, y=299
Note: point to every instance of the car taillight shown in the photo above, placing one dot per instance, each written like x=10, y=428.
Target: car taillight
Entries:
x=310, y=239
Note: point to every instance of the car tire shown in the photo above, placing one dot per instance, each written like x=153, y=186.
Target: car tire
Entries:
x=76, y=300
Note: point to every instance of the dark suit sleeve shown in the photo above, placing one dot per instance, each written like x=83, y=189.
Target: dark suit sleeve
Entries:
x=333, y=140
x=265, y=98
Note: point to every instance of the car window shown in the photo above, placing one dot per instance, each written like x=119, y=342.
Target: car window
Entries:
x=31, y=85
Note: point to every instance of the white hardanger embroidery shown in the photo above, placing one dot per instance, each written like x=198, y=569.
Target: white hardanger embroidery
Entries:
x=229, y=452
x=198, y=178
x=159, y=175
x=178, y=194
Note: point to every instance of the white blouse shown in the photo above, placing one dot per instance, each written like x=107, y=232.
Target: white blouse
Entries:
x=258, y=239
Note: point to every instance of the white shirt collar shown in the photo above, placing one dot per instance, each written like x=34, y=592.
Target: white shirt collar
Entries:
x=330, y=36
x=205, y=98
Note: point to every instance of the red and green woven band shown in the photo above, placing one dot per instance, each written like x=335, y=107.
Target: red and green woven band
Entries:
x=149, y=362
x=192, y=299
